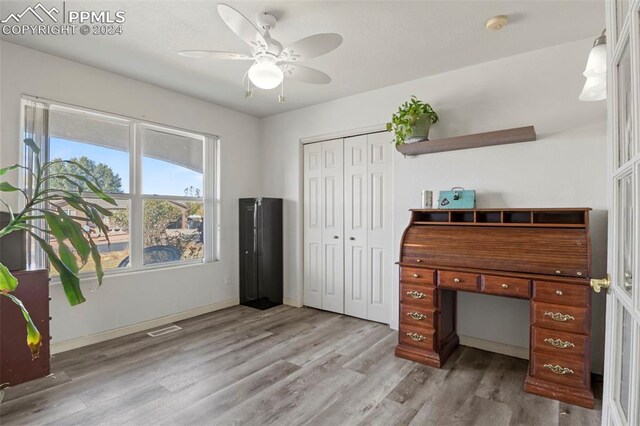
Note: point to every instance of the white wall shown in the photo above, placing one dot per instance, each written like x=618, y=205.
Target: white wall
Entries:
x=133, y=298
x=565, y=167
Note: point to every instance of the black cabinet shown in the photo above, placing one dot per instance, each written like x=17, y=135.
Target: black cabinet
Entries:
x=261, y=252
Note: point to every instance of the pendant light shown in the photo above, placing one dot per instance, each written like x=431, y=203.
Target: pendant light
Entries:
x=595, y=88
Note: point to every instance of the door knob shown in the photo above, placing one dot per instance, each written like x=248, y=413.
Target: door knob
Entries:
x=352, y=238
x=335, y=237
x=599, y=284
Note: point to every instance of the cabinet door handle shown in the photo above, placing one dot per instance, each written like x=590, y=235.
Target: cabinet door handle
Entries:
x=560, y=344
x=417, y=337
x=559, y=316
x=558, y=369
x=416, y=316
x=416, y=294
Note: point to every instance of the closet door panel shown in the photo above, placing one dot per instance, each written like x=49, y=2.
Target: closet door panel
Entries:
x=355, y=225
x=332, y=202
x=380, y=235
x=313, y=225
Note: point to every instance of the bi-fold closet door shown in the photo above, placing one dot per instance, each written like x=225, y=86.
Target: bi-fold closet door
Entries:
x=347, y=226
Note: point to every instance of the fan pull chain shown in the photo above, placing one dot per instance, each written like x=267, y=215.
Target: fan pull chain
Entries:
x=248, y=93
x=281, y=98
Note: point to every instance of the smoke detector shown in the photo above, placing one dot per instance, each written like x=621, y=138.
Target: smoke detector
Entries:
x=496, y=23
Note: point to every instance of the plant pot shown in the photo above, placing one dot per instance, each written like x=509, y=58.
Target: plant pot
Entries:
x=420, y=130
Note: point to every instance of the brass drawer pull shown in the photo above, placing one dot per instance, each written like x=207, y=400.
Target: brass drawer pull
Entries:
x=505, y=285
x=557, y=369
x=557, y=343
x=416, y=294
x=417, y=337
x=417, y=316
x=416, y=276
x=418, y=260
x=559, y=292
x=559, y=316
x=558, y=272
x=456, y=280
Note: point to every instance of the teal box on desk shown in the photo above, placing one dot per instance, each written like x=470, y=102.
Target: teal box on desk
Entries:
x=457, y=198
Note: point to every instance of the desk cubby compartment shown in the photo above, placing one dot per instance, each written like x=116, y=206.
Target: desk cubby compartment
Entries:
x=567, y=217
x=516, y=217
x=488, y=217
x=457, y=216
x=431, y=216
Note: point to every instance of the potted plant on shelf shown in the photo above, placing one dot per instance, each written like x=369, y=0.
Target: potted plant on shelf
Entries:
x=412, y=121
x=42, y=205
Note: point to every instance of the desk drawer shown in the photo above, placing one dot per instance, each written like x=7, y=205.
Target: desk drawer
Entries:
x=559, y=342
x=458, y=281
x=418, y=276
x=568, y=371
x=558, y=317
x=418, y=295
x=418, y=316
x=561, y=293
x=505, y=286
x=417, y=337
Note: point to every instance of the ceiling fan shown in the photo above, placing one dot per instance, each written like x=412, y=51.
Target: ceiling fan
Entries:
x=272, y=62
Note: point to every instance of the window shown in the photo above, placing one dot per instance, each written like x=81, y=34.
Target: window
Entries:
x=163, y=181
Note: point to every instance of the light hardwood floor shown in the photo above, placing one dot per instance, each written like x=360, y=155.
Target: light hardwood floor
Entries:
x=284, y=366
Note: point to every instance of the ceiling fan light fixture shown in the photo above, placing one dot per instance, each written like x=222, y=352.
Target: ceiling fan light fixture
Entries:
x=597, y=61
x=265, y=74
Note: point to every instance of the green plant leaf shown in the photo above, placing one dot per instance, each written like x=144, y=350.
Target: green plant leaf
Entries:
x=68, y=278
x=8, y=169
x=76, y=236
x=32, y=145
x=7, y=187
x=7, y=281
x=34, y=339
x=95, y=255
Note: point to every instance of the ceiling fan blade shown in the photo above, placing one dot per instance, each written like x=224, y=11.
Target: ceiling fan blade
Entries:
x=311, y=47
x=243, y=27
x=305, y=74
x=215, y=54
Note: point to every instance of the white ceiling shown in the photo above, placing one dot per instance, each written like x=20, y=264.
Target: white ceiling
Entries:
x=385, y=42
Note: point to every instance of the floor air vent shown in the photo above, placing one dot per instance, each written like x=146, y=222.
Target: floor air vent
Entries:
x=163, y=331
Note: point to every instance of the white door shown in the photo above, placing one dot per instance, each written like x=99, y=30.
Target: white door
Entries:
x=621, y=399
x=356, y=199
x=312, y=226
x=332, y=205
x=379, y=236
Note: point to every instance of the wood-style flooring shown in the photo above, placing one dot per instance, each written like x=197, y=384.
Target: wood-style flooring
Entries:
x=284, y=366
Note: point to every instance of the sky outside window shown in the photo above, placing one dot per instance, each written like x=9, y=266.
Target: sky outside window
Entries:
x=161, y=177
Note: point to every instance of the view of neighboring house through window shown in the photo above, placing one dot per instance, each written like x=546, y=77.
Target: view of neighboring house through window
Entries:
x=160, y=215
x=172, y=186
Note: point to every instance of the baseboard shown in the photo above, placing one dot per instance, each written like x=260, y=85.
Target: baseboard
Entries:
x=292, y=302
x=501, y=348
x=67, y=345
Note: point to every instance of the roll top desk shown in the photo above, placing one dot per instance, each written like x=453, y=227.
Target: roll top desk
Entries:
x=538, y=254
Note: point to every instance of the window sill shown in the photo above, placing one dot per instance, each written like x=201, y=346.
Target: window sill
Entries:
x=124, y=272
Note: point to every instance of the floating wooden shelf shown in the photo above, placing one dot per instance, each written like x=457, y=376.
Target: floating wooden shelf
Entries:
x=499, y=137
